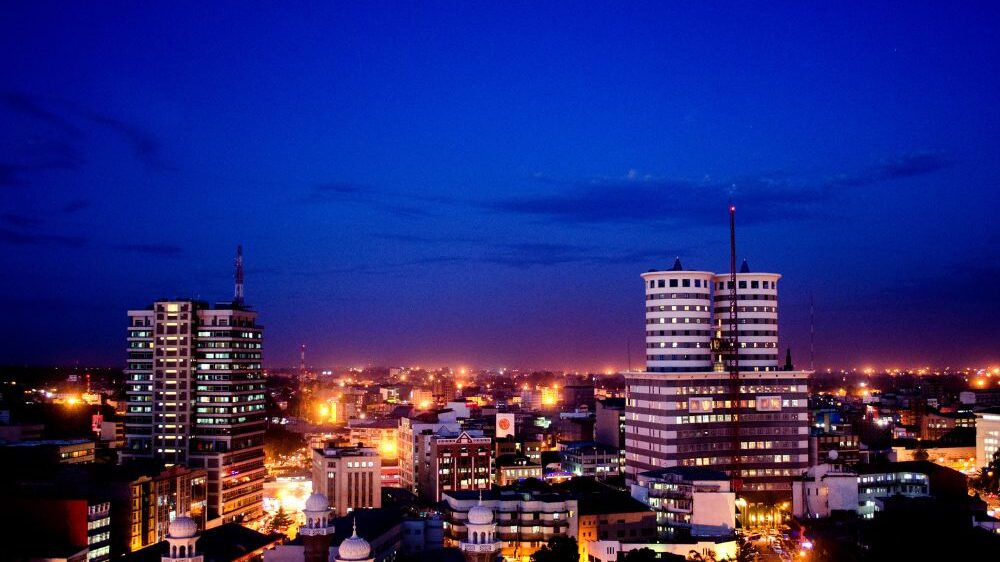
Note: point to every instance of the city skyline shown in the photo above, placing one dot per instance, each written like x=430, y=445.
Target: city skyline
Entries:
x=484, y=187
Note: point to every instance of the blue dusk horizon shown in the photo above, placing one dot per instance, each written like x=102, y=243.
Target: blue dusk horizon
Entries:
x=481, y=184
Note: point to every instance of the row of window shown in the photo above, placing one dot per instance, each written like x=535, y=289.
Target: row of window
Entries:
x=687, y=307
x=686, y=357
x=743, y=320
x=725, y=309
x=699, y=447
x=678, y=332
x=654, y=283
x=719, y=285
x=747, y=297
x=674, y=296
x=675, y=320
x=777, y=388
x=229, y=334
x=702, y=344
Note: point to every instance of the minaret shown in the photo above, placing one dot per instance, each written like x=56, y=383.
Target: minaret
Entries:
x=317, y=533
x=481, y=544
x=181, y=538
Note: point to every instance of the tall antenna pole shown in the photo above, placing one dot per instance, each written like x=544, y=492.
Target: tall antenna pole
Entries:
x=302, y=362
x=812, y=335
x=238, y=293
x=733, y=359
x=628, y=348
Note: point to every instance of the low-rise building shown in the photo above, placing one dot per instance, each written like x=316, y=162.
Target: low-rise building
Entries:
x=422, y=534
x=413, y=447
x=350, y=477
x=525, y=520
x=512, y=468
x=884, y=482
x=230, y=542
x=934, y=425
x=382, y=435
x=611, y=551
x=987, y=435
x=615, y=516
x=824, y=490
x=47, y=452
x=587, y=458
x=843, y=444
x=455, y=461
x=688, y=501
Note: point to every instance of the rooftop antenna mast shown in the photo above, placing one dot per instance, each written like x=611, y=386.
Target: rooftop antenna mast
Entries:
x=732, y=362
x=812, y=335
x=238, y=293
x=628, y=353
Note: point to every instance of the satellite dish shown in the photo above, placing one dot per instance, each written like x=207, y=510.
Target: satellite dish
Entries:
x=832, y=455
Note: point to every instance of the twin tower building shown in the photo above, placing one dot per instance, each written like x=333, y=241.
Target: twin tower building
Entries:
x=683, y=411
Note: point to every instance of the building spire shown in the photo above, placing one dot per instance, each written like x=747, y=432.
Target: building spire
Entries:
x=355, y=535
x=238, y=293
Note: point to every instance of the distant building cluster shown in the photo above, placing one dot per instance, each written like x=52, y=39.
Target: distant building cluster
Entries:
x=716, y=450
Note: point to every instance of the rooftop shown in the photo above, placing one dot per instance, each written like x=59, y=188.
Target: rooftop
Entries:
x=688, y=473
x=225, y=543
x=613, y=502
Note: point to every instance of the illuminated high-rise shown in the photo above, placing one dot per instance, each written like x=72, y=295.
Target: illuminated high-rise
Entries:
x=686, y=410
x=195, y=396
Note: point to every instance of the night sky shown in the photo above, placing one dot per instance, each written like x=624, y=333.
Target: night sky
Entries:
x=481, y=184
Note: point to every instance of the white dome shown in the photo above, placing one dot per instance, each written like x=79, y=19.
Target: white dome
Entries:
x=183, y=528
x=317, y=502
x=354, y=547
x=480, y=515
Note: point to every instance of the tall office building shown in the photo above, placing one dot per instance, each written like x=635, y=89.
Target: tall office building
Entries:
x=682, y=410
x=195, y=396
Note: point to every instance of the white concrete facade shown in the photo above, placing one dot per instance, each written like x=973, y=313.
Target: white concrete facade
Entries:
x=822, y=490
x=987, y=437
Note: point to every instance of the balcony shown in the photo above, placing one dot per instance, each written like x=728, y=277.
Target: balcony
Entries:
x=466, y=547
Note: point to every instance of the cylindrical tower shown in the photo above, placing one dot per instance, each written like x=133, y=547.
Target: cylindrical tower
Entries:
x=678, y=320
x=757, y=315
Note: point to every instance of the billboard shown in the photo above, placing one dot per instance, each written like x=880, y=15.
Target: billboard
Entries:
x=505, y=425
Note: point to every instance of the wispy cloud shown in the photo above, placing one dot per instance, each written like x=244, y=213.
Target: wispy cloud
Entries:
x=33, y=108
x=166, y=250
x=332, y=193
x=75, y=206
x=21, y=220
x=645, y=198
x=38, y=156
x=16, y=238
x=519, y=254
x=66, y=138
x=147, y=148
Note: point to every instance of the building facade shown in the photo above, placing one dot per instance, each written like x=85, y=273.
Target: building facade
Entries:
x=590, y=459
x=413, y=444
x=682, y=411
x=525, y=521
x=689, y=502
x=462, y=461
x=987, y=436
x=349, y=477
x=195, y=396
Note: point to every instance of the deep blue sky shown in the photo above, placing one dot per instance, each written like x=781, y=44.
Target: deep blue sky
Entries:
x=482, y=184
